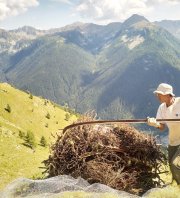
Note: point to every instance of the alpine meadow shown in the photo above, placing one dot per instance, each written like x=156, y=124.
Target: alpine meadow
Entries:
x=28, y=125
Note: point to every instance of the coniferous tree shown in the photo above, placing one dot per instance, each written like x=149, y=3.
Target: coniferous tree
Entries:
x=67, y=116
x=30, y=140
x=8, y=108
x=48, y=116
x=43, y=141
x=22, y=134
x=30, y=96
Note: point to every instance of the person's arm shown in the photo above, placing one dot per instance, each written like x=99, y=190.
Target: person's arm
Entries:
x=153, y=122
x=161, y=126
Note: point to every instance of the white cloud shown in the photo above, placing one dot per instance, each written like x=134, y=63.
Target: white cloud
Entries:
x=64, y=1
x=155, y=2
x=103, y=10
x=115, y=10
x=15, y=7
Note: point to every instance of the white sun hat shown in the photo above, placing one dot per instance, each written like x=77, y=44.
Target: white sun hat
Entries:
x=164, y=89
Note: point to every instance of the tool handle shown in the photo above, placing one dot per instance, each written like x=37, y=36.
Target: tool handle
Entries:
x=117, y=121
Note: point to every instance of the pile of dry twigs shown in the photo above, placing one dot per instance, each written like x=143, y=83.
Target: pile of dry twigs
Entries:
x=120, y=157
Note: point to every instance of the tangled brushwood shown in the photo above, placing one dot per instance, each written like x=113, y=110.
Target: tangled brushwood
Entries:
x=120, y=157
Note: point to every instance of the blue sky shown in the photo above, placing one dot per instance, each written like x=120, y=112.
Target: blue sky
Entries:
x=46, y=14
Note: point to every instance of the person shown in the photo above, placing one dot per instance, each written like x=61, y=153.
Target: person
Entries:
x=169, y=109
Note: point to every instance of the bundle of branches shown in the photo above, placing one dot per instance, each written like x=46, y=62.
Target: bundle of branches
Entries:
x=120, y=157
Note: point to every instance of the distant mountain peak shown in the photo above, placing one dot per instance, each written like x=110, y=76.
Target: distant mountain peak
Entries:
x=28, y=30
x=26, y=27
x=135, y=18
x=73, y=26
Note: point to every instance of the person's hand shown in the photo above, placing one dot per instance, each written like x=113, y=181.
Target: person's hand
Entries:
x=152, y=122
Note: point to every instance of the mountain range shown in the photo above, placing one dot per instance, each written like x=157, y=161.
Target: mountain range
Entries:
x=111, y=68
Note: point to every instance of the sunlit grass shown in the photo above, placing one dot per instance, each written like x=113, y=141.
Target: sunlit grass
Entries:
x=18, y=160
x=171, y=191
x=27, y=113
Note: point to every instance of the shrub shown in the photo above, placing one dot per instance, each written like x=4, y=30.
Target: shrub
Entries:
x=67, y=116
x=30, y=96
x=30, y=140
x=45, y=102
x=22, y=134
x=48, y=116
x=8, y=108
x=43, y=141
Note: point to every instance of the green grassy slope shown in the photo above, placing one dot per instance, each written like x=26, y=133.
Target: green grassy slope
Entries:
x=27, y=113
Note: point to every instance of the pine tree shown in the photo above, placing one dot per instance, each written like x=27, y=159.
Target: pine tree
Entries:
x=30, y=96
x=21, y=134
x=8, y=108
x=48, y=116
x=30, y=140
x=43, y=141
x=67, y=116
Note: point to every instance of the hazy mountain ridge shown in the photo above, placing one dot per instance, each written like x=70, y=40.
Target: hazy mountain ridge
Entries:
x=172, y=26
x=58, y=66
x=112, y=68
x=91, y=37
x=129, y=69
x=14, y=41
x=10, y=40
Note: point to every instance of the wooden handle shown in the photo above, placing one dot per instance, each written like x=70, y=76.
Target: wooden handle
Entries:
x=117, y=121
